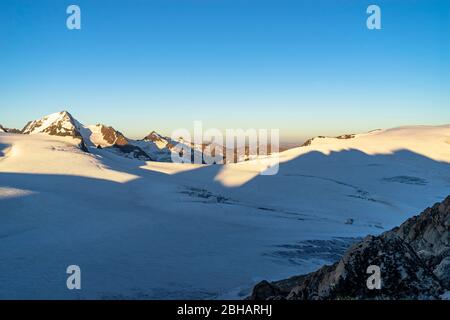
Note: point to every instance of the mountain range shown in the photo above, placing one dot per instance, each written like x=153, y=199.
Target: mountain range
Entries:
x=162, y=230
x=153, y=147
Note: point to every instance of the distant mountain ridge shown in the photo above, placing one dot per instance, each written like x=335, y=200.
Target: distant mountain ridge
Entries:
x=63, y=124
x=156, y=147
x=9, y=130
x=153, y=147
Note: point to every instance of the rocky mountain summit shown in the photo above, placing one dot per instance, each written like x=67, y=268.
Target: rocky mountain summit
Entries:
x=10, y=130
x=60, y=124
x=57, y=124
x=414, y=262
x=63, y=124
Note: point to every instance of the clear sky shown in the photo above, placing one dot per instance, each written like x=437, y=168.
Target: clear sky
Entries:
x=305, y=67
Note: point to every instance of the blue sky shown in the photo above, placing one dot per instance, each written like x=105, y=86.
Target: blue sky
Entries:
x=305, y=67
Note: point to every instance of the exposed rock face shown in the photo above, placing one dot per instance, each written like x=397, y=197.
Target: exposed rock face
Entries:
x=341, y=137
x=414, y=261
x=346, y=136
x=9, y=130
x=162, y=142
x=132, y=151
x=160, y=147
x=57, y=124
x=112, y=136
x=429, y=236
x=63, y=124
x=13, y=130
x=307, y=142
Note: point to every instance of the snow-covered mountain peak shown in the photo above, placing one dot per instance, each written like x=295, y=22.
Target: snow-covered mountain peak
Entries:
x=159, y=141
x=104, y=136
x=158, y=138
x=152, y=136
x=56, y=124
x=60, y=124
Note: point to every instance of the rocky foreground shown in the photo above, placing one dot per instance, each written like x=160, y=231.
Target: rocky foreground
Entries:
x=414, y=262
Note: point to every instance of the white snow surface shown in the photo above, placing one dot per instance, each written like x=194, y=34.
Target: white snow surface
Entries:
x=153, y=230
x=93, y=135
x=63, y=118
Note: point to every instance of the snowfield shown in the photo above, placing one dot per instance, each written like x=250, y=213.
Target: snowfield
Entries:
x=154, y=230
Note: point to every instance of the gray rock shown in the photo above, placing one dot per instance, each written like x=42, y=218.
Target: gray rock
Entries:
x=442, y=271
x=413, y=259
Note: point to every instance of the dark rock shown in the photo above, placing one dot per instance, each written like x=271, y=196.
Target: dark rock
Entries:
x=9, y=130
x=414, y=263
x=346, y=136
x=63, y=126
x=264, y=290
x=83, y=146
x=113, y=136
x=132, y=151
x=12, y=130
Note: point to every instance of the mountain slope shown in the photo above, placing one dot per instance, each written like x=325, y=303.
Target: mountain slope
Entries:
x=431, y=141
x=63, y=124
x=162, y=148
x=152, y=147
x=106, y=137
x=56, y=124
x=414, y=261
x=60, y=124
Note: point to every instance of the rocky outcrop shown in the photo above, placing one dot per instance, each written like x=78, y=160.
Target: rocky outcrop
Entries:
x=13, y=130
x=414, y=262
x=155, y=137
x=341, y=137
x=116, y=141
x=346, y=136
x=113, y=137
x=132, y=152
x=60, y=124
